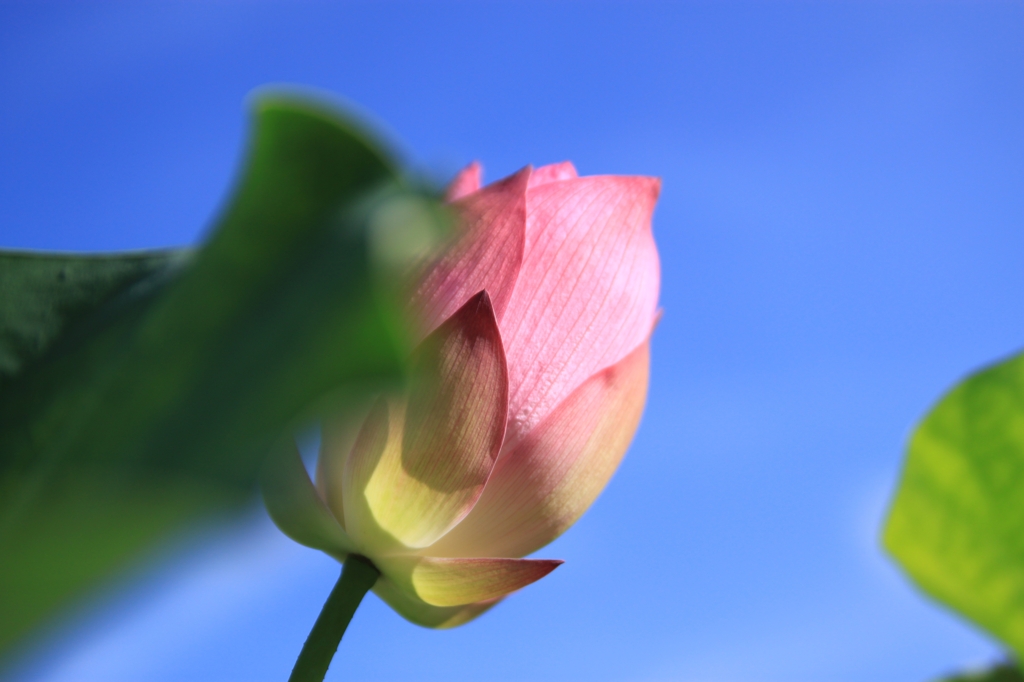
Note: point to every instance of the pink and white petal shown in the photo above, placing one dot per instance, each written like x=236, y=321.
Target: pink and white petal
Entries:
x=419, y=612
x=295, y=506
x=553, y=173
x=543, y=486
x=454, y=422
x=587, y=291
x=458, y=581
x=466, y=181
x=486, y=253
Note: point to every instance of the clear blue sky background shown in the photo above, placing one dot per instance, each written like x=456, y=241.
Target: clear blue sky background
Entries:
x=841, y=233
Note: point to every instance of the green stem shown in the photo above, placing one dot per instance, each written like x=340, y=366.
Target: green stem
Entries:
x=357, y=577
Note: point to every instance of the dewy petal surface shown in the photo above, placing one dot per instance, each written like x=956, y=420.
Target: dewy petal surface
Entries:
x=486, y=254
x=545, y=484
x=296, y=507
x=454, y=582
x=428, y=476
x=587, y=291
x=466, y=182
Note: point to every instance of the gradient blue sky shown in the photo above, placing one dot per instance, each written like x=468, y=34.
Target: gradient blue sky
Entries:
x=840, y=228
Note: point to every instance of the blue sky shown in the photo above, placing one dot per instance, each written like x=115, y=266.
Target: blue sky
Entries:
x=840, y=228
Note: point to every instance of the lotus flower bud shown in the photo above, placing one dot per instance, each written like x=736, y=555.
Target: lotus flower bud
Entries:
x=528, y=385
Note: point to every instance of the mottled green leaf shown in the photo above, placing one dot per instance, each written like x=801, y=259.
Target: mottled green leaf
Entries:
x=42, y=295
x=957, y=522
x=154, y=402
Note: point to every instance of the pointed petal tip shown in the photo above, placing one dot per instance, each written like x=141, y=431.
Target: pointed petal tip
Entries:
x=480, y=299
x=522, y=175
x=655, y=188
x=475, y=318
x=478, y=308
x=452, y=426
x=553, y=172
x=466, y=181
x=659, y=314
x=646, y=186
x=487, y=252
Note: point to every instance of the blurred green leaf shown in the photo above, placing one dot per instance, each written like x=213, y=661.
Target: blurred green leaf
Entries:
x=957, y=522
x=138, y=399
x=1005, y=672
x=42, y=295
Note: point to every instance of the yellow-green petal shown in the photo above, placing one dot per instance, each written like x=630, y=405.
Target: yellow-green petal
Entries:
x=458, y=581
x=421, y=463
x=296, y=507
x=419, y=612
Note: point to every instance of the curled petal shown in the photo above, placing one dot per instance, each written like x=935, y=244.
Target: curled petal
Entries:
x=338, y=435
x=486, y=254
x=587, y=291
x=455, y=582
x=553, y=173
x=420, y=481
x=466, y=182
x=416, y=610
x=296, y=508
x=545, y=484
x=380, y=431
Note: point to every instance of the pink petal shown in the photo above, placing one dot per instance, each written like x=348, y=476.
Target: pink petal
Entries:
x=553, y=173
x=586, y=293
x=543, y=486
x=486, y=254
x=416, y=610
x=296, y=508
x=466, y=182
x=455, y=582
x=428, y=476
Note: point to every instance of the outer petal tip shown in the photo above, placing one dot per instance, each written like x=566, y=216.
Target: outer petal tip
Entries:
x=553, y=173
x=466, y=181
x=487, y=252
x=655, y=189
x=643, y=189
x=448, y=582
